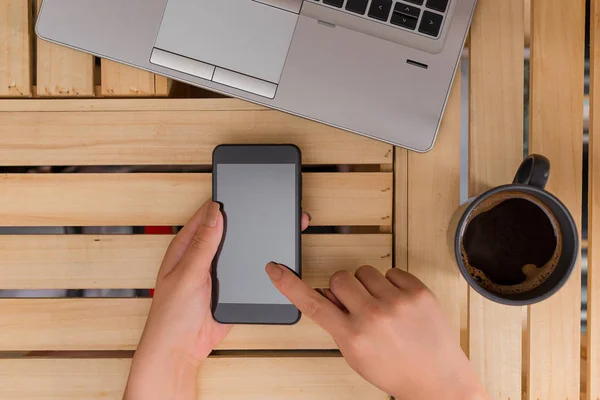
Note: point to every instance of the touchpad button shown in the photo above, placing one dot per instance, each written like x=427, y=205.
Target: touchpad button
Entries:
x=240, y=35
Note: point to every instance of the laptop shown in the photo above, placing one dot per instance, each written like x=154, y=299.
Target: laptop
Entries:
x=378, y=68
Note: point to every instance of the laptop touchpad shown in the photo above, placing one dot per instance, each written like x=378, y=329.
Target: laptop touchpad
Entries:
x=245, y=36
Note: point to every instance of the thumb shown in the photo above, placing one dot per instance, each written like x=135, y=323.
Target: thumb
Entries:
x=204, y=244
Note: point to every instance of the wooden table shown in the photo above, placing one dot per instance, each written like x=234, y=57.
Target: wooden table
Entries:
x=398, y=203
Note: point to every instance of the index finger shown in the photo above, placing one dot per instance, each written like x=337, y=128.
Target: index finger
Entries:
x=309, y=301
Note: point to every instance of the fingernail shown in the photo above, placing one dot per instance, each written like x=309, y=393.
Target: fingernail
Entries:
x=210, y=214
x=274, y=270
x=309, y=216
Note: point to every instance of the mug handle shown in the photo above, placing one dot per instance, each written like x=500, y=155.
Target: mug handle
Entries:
x=534, y=171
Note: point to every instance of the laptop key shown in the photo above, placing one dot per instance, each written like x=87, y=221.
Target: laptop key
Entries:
x=437, y=5
x=335, y=3
x=404, y=21
x=409, y=11
x=417, y=2
x=357, y=6
x=431, y=24
x=380, y=9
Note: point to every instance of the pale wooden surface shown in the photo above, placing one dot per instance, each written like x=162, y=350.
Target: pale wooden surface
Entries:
x=222, y=378
x=110, y=133
x=15, y=49
x=557, y=81
x=169, y=199
x=62, y=72
x=592, y=368
x=132, y=261
x=400, y=226
x=117, y=324
x=495, y=152
x=433, y=197
x=184, y=131
x=123, y=80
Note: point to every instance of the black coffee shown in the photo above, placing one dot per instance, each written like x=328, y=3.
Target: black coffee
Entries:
x=502, y=240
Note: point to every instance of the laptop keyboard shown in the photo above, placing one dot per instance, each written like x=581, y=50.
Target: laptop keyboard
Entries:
x=425, y=17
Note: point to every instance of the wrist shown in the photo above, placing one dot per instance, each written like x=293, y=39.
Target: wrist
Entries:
x=161, y=375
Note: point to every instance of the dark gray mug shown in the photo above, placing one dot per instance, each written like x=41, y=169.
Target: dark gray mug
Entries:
x=528, y=184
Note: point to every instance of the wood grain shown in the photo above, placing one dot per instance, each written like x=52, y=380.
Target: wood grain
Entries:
x=433, y=197
x=557, y=81
x=61, y=71
x=170, y=199
x=592, y=366
x=222, y=378
x=495, y=152
x=152, y=136
x=117, y=324
x=123, y=80
x=129, y=104
x=401, y=208
x=132, y=261
x=15, y=48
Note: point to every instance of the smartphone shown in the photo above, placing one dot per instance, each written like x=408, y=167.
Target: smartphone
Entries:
x=259, y=188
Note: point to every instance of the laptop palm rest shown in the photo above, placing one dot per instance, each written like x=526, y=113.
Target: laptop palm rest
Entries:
x=238, y=43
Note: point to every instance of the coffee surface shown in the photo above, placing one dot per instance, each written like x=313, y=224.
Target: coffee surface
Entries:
x=502, y=241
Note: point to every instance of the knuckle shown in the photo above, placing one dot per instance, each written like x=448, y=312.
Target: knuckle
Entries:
x=378, y=313
x=423, y=294
x=310, y=307
x=198, y=242
x=338, y=278
x=364, y=269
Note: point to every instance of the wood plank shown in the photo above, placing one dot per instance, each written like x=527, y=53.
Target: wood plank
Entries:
x=15, y=48
x=592, y=367
x=132, y=261
x=152, y=136
x=495, y=152
x=434, y=196
x=117, y=324
x=171, y=198
x=557, y=81
x=123, y=80
x=222, y=378
x=401, y=208
x=129, y=104
x=162, y=85
x=62, y=72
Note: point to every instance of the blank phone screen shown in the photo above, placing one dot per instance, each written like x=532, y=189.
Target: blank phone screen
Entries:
x=259, y=204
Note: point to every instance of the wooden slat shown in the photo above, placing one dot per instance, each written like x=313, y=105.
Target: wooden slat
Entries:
x=132, y=261
x=162, y=85
x=219, y=378
x=557, y=81
x=154, y=136
x=123, y=80
x=15, y=48
x=170, y=199
x=117, y=324
x=129, y=104
x=592, y=367
x=401, y=208
x=495, y=151
x=63, y=72
x=433, y=197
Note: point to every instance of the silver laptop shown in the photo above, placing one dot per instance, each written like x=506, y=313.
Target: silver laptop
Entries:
x=379, y=68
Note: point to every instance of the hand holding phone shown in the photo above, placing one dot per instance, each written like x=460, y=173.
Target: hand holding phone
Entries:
x=180, y=331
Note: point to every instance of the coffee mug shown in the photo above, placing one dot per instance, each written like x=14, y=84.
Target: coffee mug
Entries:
x=516, y=244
